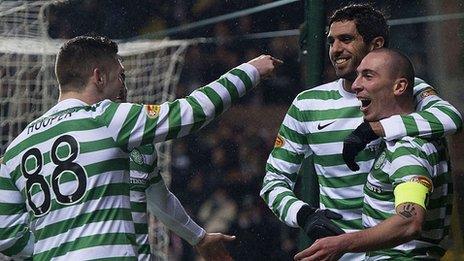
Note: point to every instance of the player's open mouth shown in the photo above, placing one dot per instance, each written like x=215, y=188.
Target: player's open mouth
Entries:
x=365, y=102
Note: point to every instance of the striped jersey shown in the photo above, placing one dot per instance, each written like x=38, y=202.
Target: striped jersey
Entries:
x=143, y=173
x=316, y=123
x=410, y=159
x=65, y=177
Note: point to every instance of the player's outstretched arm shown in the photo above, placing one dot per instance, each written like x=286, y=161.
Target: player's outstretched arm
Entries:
x=168, y=209
x=138, y=125
x=163, y=204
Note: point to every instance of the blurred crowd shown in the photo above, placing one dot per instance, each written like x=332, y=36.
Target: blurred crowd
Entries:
x=217, y=175
x=205, y=61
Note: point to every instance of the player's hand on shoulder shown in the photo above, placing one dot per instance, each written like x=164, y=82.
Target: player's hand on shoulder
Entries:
x=266, y=65
x=211, y=246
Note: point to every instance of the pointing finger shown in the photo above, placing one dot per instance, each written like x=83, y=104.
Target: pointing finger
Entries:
x=228, y=237
x=276, y=61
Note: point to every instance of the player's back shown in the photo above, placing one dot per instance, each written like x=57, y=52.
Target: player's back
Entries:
x=73, y=176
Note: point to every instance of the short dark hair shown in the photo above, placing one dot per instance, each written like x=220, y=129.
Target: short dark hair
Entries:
x=369, y=21
x=79, y=56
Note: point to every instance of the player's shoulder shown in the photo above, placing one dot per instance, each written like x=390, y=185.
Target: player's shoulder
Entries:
x=102, y=106
x=418, y=81
x=423, y=88
x=325, y=91
x=106, y=110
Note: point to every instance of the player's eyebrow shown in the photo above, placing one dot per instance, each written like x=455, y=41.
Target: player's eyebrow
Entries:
x=367, y=71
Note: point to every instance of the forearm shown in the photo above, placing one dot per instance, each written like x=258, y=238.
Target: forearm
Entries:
x=393, y=231
x=281, y=200
x=436, y=118
x=226, y=90
x=167, y=208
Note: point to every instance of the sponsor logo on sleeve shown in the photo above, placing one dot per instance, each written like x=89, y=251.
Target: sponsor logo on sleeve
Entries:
x=424, y=181
x=279, y=142
x=152, y=110
x=427, y=92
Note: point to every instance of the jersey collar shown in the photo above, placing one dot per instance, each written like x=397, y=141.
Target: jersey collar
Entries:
x=66, y=104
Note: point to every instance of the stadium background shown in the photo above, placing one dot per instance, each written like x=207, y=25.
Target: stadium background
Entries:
x=217, y=173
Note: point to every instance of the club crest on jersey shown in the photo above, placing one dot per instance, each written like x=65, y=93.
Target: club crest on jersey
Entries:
x=279, y=142
x=427, y=92
x=137, y=157
x=152, y=110
x=424, y=181
x=380, y=160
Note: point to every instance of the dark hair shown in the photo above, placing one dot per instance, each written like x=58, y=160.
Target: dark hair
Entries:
x=79, y=56
x=369, y=21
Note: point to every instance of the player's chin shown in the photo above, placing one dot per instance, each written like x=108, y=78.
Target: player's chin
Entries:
x=346, y=72
x=369, y=117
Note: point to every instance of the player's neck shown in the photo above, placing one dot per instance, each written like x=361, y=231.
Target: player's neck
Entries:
x=400, y=107
x=347, y=85
x=82, y=96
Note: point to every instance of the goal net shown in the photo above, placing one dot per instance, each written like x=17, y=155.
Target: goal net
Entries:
x=28, y=87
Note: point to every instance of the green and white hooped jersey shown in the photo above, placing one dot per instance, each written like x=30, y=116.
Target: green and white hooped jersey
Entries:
x=143, y=173
x=316, y=123
x=66, y=175
x=411, y=160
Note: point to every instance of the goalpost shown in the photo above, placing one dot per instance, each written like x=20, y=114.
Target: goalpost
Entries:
x=28, y=87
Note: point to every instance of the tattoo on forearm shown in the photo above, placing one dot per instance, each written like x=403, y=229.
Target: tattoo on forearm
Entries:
x=407, y=211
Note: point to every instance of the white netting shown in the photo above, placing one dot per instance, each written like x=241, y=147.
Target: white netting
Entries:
x=28, y=87
x=22, y=19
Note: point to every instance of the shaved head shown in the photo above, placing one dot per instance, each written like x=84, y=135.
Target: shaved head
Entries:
x=399, y=65
x=384, y=84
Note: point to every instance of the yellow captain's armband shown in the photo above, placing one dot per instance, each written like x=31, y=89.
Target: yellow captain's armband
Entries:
x=411, y=192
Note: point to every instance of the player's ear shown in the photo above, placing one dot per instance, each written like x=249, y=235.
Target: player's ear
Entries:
x=400, y=86
x=377, y=43
x=98, y=77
